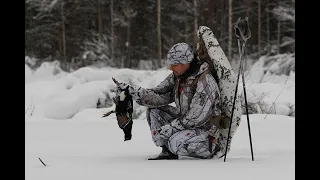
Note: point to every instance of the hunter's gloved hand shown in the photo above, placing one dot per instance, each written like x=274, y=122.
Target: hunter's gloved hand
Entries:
x=120, y=85
x=126, y=125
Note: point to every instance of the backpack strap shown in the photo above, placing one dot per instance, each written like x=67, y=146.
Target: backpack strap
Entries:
x=197, y=78
x=193, y=85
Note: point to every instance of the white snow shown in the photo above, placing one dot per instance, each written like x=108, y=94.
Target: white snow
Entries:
x=65, y=129
x=93, y=148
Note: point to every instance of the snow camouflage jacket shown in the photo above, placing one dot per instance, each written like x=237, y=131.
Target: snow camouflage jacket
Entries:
x=194, y=108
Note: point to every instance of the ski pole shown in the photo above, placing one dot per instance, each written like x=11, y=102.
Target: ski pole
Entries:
x=244, y=35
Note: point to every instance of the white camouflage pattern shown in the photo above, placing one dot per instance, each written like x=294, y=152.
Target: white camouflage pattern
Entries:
x=180, y=53
x=227, y=85
x=180, y=141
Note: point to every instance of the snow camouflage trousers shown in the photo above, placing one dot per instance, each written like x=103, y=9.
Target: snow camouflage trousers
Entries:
x=180, y=141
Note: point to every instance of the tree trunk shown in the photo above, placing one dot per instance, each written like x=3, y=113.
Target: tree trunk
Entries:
x=259, y=27
x=100, y=20
x=278, y=33
x=222, y=23
x=186, y=28
x=293, y=23
x=63, y=35
x=30, y=36
x=230, y=32
x=173, y=32
x=268, y=24
x=154, y=66
x=111, y=22
x=195, y=39
x=128, y=59
x=211, y=15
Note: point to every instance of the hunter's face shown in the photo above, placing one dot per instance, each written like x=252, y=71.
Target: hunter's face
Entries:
x=179, y=69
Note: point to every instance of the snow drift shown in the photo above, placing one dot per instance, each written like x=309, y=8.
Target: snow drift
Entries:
x=53, y=93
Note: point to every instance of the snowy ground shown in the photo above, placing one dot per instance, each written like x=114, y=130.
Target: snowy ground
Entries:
x=65, y=129
x=94, y=149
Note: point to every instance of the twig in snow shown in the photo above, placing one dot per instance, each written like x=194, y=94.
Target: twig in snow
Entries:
x=276, y=99
x=27, y=110
x=32, y=110
x=42, y=162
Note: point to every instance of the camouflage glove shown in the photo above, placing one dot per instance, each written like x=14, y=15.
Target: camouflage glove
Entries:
x=120, y=85
x=221, y=122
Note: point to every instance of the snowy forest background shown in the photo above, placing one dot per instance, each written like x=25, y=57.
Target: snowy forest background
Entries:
x=137, y=34
x=73, y=48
